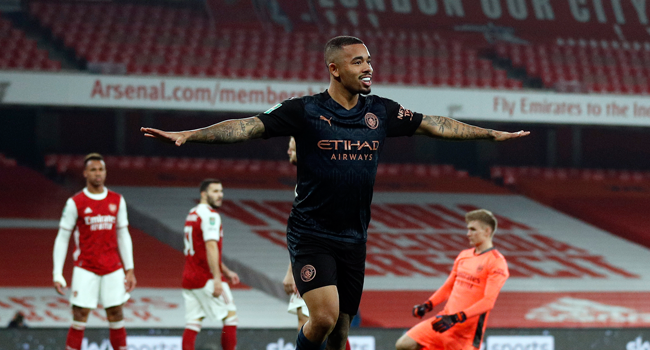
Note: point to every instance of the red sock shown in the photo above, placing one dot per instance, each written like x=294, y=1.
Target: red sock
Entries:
x=189, y=339
x=75, y=336
x=117, y=335
x=228, y=338
x=347, y=345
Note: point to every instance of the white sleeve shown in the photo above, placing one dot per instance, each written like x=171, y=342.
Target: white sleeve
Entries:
x=69, y=216
x=66, y=225
x=211, y=226
x=122, y=218
x=125, y=245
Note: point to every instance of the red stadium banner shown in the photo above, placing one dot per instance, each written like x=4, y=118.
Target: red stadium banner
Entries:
x=509, y=20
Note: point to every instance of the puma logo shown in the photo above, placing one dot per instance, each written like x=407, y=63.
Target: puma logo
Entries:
x=329, y=121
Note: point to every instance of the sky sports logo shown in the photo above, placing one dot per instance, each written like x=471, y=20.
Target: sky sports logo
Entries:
x=520, y=342
x=4, y=86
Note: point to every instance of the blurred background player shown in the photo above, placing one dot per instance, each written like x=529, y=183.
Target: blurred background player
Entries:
x=205, y=288
x=470, y=290
x=104, y=251
x=297, y=305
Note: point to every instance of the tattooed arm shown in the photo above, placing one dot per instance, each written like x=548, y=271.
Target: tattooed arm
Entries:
x=448, y=128
x=227, y=131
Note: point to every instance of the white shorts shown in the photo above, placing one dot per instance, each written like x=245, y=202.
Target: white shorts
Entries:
x=200, y=303
x=89, y=288
x=296, y=302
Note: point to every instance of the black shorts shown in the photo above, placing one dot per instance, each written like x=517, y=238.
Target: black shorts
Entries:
x=324, y=262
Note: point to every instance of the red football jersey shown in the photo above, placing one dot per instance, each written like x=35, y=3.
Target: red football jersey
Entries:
x=95, y=232
x=202, y=224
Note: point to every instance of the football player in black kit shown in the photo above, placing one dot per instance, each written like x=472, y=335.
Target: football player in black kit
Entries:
x=339, y=134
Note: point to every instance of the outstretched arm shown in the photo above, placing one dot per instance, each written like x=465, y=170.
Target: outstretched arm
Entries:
x=448, y=128
x=227, y=131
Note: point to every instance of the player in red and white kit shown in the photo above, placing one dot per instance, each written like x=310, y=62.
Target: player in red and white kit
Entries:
x=205, y=288
x=471, y=291
x=104, y=250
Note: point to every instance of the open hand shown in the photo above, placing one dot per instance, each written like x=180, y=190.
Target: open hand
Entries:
x=232, y=277
x=177, y=138
x=129, y=281
x=60, y=288
x=502, y=135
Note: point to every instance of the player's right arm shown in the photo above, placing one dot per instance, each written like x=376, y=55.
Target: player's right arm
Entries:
x=288, y=282
x=284, y=119
x=66, y=225
x=227, y=131
x=212, y=252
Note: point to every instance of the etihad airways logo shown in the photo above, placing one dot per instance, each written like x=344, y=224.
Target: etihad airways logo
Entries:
x=347, y=145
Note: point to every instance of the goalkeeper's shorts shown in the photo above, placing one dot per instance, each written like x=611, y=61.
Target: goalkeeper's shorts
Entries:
x=453, y=339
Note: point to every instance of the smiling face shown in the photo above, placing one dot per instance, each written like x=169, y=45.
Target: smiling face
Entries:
x=350, y=66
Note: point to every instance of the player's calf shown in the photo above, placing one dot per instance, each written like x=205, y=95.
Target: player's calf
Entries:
x=339, y=335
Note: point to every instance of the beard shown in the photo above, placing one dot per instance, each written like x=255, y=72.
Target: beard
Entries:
x=214, y=204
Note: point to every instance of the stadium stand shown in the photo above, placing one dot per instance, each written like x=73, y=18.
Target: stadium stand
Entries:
x=20, y=52
x=581, y=65
x=263, y=174
x=614, y=200
x=149, y=39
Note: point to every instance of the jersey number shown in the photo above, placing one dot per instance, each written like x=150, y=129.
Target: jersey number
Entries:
x=187, y=239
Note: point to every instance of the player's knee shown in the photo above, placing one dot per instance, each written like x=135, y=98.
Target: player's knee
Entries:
x=231, y=319
x=324, y=321
x=114, y=313
x=80, y=313
x=406, y=343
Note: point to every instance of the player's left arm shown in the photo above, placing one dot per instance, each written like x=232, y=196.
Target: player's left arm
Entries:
x=125, y=246
x=231, y=276
x=448, y=128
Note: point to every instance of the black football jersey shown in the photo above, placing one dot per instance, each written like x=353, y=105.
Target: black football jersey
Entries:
x=338, y=152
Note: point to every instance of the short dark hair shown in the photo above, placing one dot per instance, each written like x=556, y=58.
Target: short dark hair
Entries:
x=92, y=156
x=207, y=182
x=337, y=43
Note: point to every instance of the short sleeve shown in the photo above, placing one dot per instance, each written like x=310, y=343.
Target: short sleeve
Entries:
x=211, y=226
x=401, y=121
x=283, y=119
x=122, y=217
x=69, y=216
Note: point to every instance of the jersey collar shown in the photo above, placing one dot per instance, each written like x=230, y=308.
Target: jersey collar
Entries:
x=334, y=106
x=96, y=196
x=483, y=252
x=210, y=208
